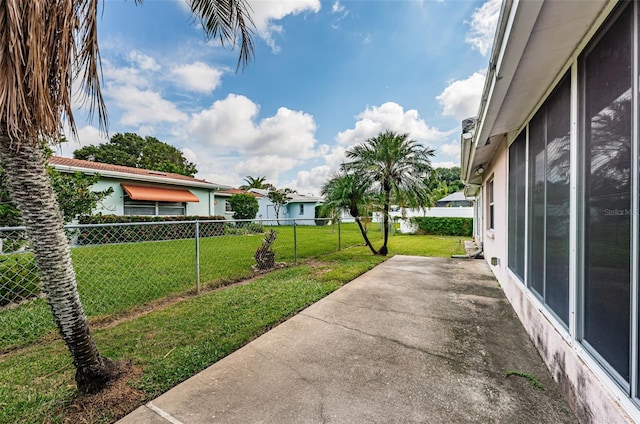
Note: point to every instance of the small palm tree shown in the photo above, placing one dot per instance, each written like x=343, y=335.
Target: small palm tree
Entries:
x=44, y=46
x=394, y=166
x=259, y=183
x=347, y=192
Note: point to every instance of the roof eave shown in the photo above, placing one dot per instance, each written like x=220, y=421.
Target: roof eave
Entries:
x=137, y=177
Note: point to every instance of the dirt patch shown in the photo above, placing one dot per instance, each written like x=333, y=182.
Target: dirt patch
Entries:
x=112, y=403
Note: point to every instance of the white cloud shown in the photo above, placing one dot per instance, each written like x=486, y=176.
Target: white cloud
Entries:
x=227, y=123
x=337, y=7
x=228, y=135
x=340, y=11
x=265, y=13
x=310, y=182
x=446, y=164
x=86, y=135
x=143, y=106
x=483, y=26
x=198, y=77
x=231, y=123
x=389, y=116
x=123, y=75
x=461, y=98
x=289, y=133
x=452, y=150
x=189, y=154
x=144, y=62
x=270, y=166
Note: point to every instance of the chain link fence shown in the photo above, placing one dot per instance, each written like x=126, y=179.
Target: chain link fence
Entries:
x=123, y=266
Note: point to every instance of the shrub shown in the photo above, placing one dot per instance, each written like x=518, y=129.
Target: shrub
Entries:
x=321, y=216
x=244, y=228
x=244, y=206
x=18, y=278
x=444, y=226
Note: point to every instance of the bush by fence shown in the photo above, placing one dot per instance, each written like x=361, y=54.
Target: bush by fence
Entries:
x=18, y=278
x=211, y=226
x=443, y=226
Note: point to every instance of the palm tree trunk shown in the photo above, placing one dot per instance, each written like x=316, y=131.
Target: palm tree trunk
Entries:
x=364, y=235
x=385, y=222
x=31, y=190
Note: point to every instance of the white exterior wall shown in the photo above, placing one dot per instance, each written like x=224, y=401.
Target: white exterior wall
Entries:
x=495, y=241
x=443, y=212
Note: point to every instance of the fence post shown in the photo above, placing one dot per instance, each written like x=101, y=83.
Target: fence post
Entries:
x=295, y=243
x=197, y=257
x=339, y=238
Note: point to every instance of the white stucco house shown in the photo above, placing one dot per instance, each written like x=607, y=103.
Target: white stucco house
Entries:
x=300, y=207
x=554, y=160
x=145, y=192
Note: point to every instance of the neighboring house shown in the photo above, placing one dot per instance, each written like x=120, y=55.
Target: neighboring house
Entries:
x=554, y=160
x=145, y=192
x=222, y=206
x=300, y=207
x=455, y=200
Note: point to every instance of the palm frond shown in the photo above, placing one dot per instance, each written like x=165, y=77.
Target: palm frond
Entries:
x=228, y=20
x=43, y=46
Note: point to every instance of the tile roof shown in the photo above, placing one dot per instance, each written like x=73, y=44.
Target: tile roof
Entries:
x=238, y=191
x=106, y=167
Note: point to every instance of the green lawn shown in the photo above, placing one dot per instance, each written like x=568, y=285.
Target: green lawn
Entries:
x=113, y=278
x=176, y=342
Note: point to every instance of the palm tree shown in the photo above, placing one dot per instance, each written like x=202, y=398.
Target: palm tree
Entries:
x=259, y=183
x=393, y=165
x=348, y=192
x=44, y=46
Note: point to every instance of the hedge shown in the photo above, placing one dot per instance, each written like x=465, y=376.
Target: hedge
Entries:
x=442, y=226
x=137, y=233
x=112, y=219
x=18, y=278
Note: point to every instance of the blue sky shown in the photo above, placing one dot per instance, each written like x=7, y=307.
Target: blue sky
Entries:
x=327, y=75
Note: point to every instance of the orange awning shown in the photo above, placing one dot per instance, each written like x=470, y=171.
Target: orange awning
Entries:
x=159, y=194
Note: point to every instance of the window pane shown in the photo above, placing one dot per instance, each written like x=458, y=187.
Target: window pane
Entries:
x=517, y=155
x=537, y=180
x=556, y=291
x=491, y=208
x=607, y=114
x=171, y=208
x=139, y=210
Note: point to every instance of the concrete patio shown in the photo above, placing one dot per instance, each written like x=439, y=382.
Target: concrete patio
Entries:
x=416, y=339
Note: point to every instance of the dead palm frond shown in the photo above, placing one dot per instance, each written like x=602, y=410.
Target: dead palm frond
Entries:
x=45, y=45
